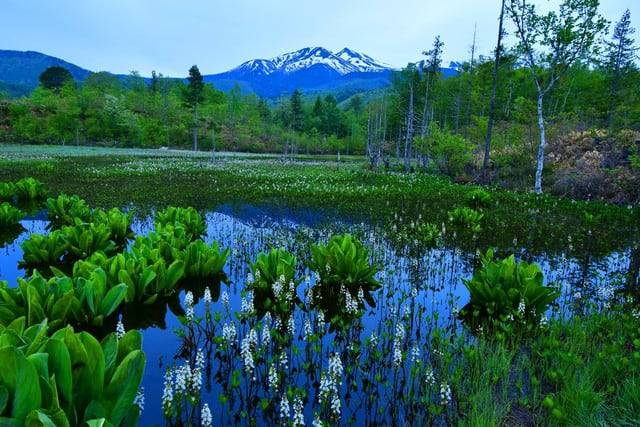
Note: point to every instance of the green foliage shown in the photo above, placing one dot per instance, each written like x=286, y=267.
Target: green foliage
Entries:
x=41, y=251
x=478, y=198
x=450, y=153
x=55, y=77
x=7, y=191
x=346, y=278
x=29, y=189
x=69, y=378
x=118, y=223
x=189, y=218
x=204, y=262
x=67, y=210
x=86, y=239
x=274, y=285
x=9, y=216
x=506, y=297
x=466, y=219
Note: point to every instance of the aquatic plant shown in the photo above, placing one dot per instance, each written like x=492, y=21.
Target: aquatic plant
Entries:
x=506, y=295
x=478, y=198
x=41, y=251
x=202, y=261
x=29, y=189
x=273, y=283
x=7, y=191
x=86, y=239
x=189, y=218
x=118, y=222
x=67, y=210
x=9, y=216
x=466, y=219
x=69, y=378
x=345, y=278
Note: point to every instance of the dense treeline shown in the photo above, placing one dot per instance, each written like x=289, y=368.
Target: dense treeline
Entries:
x=560, y=93
x=135, y=112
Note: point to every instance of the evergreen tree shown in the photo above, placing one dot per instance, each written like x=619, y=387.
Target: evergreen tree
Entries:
x=195, y=97
x=619, y=60
x=296, y=113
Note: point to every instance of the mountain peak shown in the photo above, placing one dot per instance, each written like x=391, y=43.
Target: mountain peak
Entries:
x=344, y=62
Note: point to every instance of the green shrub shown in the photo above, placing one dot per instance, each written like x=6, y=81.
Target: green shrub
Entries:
x=9, y=216
x=346, y=278
x=506, y=296
x=189, y=218
x=274, y=285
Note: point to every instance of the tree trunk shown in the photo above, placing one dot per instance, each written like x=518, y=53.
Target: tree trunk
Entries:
x=213, y=143
x=492, y=103
x=195, y=128
x=541, y=147
x=409, y=139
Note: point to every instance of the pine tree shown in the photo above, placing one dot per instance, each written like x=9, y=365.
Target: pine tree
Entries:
x=619, y=60
x=297, y=114
x=195, y=97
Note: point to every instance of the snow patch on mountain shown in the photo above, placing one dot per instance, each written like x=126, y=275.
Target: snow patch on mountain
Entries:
x=344, y=62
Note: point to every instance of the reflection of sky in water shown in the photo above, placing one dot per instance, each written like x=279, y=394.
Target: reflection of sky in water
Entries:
x=247, y=230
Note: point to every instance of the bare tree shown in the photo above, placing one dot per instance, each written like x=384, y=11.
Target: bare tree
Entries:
x=550, y=44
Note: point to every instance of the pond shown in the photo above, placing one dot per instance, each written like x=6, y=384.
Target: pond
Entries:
x=422, y=285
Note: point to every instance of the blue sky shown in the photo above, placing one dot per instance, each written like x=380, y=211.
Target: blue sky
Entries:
x=170, y=36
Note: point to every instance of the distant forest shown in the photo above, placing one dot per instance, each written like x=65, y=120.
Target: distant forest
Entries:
x=560, y=95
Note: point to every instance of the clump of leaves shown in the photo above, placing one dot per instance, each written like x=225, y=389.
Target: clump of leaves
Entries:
x=202, y=261
x=29, y=189
x=9, y=216
x=86, y=239
x=274, y=285
x=506, y=296
x=346, y=279
x=118, y=222
x=478, y=199
x=70, y=378
x=466, y=219
x=7, y=191
x=188, y=218
x=42, y=251
x=67, y=210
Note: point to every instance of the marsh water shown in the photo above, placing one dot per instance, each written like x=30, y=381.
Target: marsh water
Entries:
x=434, y=275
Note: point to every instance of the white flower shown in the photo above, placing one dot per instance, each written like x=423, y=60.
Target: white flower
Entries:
x=246, y=305
x=307, y=329
x=373, y=340
x=291, y=325
x=415, y=353
x=397, y=344
x=249, y=343
x=167, y=394
x=207, y=296
x=521, y=307
x=188, y=302
x=298, y=415
x=206, y=417
x=445, y=394
x=225, y=300
x=317, y=422
x=120, y=332
x=139, y=399
x=429, y=378
x=229, y=332
x=284, y=407
x=273, y=378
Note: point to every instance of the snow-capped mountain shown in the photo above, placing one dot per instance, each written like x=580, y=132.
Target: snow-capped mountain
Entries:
x=344, y=62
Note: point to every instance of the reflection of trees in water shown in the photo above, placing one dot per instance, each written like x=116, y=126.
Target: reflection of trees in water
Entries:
x=632, y=282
